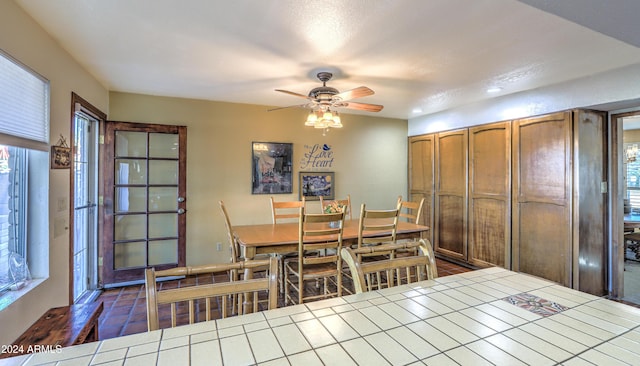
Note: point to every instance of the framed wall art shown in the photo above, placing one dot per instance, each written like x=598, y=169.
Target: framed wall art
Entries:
x=61, y=155
x=316, y=184
x=272, y=167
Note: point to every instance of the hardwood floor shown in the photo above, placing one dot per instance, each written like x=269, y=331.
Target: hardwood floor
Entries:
x=125, y=308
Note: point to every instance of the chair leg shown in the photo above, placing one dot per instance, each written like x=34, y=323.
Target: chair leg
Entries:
x=281, y=274
x=285, y=279
x=233, y=274
x=300, y=288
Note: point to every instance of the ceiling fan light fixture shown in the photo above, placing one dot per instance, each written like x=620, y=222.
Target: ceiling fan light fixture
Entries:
x=312, y=119
x=323, y=118
x=336, y=122
x=321, y=99
x=321, y=123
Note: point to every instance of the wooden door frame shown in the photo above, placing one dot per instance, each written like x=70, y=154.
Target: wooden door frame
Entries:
x=617, y=203
x=101, y=117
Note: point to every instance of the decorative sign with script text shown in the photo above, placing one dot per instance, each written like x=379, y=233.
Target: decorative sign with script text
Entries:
x=317, y=157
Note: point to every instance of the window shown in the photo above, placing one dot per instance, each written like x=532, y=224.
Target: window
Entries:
x=632, y=174
x=13, y=233
x=24, y=175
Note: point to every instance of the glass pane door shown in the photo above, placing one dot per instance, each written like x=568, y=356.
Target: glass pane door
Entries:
x=85, y=218
x=147, y=207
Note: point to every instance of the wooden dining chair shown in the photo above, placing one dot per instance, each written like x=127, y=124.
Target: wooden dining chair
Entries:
x=383, y=223
x=380, y=222
x=282, y=211
x=234, y=249
x=346, y=203
x=374, y=275
x=411, y=211
x=201, y=298
x=319, y=244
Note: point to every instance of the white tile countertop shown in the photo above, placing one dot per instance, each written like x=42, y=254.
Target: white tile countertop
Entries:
x=484, y=317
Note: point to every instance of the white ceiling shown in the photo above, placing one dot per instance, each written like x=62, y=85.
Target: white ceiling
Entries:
x=427, y=54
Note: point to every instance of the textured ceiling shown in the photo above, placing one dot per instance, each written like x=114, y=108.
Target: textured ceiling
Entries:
x=427, y=54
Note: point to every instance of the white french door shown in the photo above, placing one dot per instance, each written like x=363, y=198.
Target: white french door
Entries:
x=85, y=199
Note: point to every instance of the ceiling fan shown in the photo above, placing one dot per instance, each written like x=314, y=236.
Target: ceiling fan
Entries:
x=325, y=97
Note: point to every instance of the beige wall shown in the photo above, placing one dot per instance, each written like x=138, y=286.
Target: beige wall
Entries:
x=370, y=159
x=24, y=40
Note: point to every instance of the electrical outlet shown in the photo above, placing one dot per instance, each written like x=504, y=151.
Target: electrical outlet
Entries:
x=218, y=246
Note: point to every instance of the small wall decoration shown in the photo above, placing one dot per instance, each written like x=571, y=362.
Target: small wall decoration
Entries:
x=316, y=184
x=272, y=168
x=317, y=156
x=61, y=155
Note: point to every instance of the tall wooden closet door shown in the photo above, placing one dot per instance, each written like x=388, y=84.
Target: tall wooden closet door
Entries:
x=490, y=195
x=421, y=149
x=451, y=194
x=541, y=226
x=590, y=202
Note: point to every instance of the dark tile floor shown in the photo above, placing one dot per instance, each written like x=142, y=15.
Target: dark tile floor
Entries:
x=125, y=308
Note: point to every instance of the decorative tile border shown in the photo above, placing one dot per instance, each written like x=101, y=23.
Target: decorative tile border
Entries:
x=535, y=304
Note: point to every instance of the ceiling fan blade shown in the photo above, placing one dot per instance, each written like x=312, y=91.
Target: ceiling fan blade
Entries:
x=363, y=106
x=290, y=106
x=359, y=92
x=292, y=93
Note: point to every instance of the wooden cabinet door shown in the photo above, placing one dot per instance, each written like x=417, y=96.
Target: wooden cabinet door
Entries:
x=542, y=181
x=590, y=205
x=421, y=150
x=489, y=236
x=450, y=234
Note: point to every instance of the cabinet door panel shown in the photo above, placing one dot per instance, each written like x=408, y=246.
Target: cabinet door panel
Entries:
x=488, y=242
x=451, y=194
x=421, y=173
x=421, y=164
x=452, y=162
x=489, y=195
x=544, y=160
x=490, y=159
x=542, y=171
x=544, y=229
x=451, y=225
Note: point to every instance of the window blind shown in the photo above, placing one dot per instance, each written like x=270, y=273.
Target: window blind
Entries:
x=24, y=104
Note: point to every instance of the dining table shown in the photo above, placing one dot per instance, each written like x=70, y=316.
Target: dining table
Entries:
x=631, y=221
x=283, y=237
x=491, y=316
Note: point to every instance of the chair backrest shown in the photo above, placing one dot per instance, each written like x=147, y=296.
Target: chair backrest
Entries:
x=410, y=210
x=318, y=232
x=285, y=210
x=377, y=222
x=198, y=296
x=231, y=236
x=346, y=203
x=379, y=274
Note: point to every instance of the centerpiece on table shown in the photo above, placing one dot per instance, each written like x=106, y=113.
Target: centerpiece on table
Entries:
x=334, y=207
